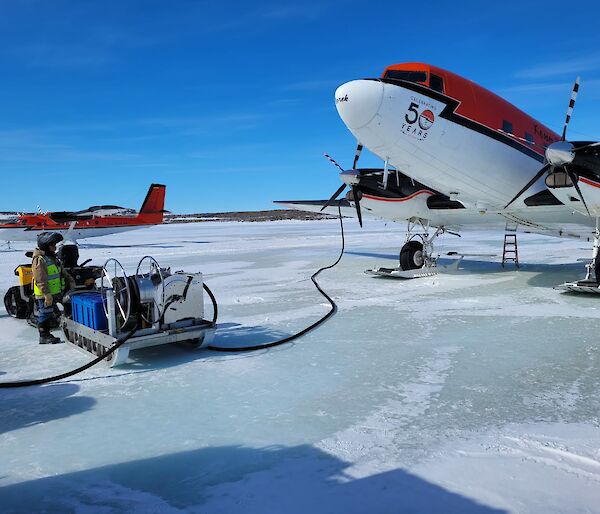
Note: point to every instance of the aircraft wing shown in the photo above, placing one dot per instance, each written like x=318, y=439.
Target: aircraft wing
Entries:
x=548, y=220
x=316, y=205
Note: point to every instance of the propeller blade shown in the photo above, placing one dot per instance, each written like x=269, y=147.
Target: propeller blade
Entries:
x=357, y=205
x=586, y=147
x=575, y=181
x=334, y=196
x=570, y=109
x=332, y=160
x=357, y=155
x=530, y=183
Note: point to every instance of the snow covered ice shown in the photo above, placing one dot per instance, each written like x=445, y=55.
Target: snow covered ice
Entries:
x=475, y=391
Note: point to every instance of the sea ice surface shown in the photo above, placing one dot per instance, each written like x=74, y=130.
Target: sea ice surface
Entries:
x=474, y=391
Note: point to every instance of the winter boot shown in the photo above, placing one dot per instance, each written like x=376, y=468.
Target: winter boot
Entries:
x=46, y=337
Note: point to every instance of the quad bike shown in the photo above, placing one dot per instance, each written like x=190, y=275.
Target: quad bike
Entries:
x=19, y=300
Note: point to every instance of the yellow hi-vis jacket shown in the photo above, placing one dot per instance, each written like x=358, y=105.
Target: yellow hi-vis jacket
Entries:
x=48, y=276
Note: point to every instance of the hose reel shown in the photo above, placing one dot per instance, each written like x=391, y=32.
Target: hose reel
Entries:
x=150, y=281
x=114, y=277
x=141, y=295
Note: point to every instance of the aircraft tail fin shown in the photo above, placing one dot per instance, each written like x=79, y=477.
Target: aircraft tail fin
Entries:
x=153, y=208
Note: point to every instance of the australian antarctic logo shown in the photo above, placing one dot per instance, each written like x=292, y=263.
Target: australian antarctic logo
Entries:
x=418, y=119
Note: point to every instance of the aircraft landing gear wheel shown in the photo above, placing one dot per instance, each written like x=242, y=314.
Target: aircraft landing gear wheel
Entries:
x=412, y=256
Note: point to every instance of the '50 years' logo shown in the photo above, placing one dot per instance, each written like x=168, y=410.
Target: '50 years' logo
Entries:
x=417, y=124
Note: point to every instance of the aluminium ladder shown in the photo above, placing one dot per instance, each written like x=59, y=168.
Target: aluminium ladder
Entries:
x=510, y=252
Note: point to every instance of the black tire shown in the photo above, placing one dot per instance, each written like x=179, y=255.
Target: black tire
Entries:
x=15, y=305
x=411, y=256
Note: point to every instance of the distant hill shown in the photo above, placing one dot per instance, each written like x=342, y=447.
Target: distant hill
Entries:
x=247, y=216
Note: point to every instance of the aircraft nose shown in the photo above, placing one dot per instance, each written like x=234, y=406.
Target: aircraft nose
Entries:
x=358, y=102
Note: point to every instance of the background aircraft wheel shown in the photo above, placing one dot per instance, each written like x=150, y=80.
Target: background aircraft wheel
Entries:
x=411, y=256
x=15, y=305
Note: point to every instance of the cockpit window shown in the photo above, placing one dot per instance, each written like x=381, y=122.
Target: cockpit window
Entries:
x=436, y=83
x=409, y=76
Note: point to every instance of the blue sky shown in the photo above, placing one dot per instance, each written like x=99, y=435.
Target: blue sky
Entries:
x=231, y=103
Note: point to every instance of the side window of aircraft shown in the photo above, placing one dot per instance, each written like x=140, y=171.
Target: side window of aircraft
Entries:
x=529, y=138
x=436, y=83
x=409, y=76
x=507, y=127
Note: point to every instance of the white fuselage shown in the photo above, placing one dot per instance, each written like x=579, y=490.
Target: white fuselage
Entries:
x=407, y=128
x=24, y=234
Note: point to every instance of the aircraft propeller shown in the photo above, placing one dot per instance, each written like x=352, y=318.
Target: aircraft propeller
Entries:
x=350, y=177
x=560, y=154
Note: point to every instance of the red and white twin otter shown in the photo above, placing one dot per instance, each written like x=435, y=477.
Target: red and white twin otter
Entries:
x=95, y=221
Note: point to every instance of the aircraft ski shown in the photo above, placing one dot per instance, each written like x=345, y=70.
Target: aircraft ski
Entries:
x=429, y=270
x=425, y=271
x=582, y=286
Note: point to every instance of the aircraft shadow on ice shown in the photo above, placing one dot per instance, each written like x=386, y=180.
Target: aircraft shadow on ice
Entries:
x=546, y=275
x=467, y=265
x=19, y=408
x=296, y=479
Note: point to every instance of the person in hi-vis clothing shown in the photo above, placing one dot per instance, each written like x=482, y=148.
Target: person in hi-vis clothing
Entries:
x=50, y=281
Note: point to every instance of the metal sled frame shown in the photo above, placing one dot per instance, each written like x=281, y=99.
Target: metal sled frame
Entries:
x=198, y=332
x=95, y=342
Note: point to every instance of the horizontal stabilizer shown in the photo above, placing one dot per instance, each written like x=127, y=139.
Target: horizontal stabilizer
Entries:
x=317, y=205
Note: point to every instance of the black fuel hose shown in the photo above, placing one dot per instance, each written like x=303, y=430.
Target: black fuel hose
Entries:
x=25, y=383
x=278, y=342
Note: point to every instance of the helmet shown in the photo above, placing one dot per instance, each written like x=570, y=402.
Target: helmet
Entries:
x=47, y=239
x=68, y=254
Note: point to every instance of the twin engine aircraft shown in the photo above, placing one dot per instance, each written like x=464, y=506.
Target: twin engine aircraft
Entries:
x=95, y=221
x=457, y=155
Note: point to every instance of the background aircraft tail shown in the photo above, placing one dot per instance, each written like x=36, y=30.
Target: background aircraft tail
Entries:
x=153, y=208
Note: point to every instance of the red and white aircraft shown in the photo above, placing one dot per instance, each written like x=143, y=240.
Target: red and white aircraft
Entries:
x=95, y=221
x=462, y=157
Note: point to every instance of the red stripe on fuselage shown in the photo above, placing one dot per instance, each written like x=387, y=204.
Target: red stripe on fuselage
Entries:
x=589, y=182
x=406, y=198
